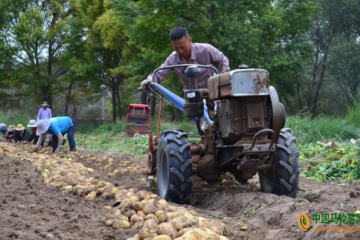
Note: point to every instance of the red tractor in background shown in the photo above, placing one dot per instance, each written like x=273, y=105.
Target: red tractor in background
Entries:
x=137, y=119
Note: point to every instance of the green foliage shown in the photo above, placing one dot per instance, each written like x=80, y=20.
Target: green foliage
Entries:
x=353, y=115
x=113, y=142
x=261, y=34
x=344, y=67
x=112, y=137
x=15, y=119
x=340, y=162
x=187, y=126
x=321, y=129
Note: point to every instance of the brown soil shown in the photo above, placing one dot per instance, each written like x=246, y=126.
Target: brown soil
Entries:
x=30, y=210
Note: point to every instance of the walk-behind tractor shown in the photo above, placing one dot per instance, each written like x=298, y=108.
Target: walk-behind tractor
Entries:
x=244, y=134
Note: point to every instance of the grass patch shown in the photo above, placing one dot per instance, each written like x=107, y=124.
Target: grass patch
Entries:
x=320, y=129
x=117, y=143
x=112, y=137
x=15, y=119
x=353, y=115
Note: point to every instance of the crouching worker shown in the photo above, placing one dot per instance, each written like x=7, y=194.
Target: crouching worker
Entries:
x=3, y=130
x=33, y=137
x=57, y=127
x=10, y=133
x=21, y=135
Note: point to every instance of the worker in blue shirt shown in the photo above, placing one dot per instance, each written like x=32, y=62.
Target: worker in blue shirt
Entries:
x=57, y=127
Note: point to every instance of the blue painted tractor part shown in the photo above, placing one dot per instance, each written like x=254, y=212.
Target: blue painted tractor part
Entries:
x=177, y=101
x=244, y=135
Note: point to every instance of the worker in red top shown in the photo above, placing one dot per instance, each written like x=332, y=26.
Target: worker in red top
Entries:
x=33, y=137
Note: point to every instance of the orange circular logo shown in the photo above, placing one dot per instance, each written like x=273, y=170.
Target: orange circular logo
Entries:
x=304, y=222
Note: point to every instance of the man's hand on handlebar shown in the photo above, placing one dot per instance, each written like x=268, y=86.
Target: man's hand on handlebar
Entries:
x=145, y=82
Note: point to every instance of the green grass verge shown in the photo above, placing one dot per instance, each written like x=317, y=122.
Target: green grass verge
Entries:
x=112, y=137
x=113, y=142
x=321, y=129
x=15, y=119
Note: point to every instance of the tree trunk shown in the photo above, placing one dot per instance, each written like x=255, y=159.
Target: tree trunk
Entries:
x=322, y=74
x=144, y=97
x=118, y=102
x=298, y=94
x=113, y=101
x=68, y=96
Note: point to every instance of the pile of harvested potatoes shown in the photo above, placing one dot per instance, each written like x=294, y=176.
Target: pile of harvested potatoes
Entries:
x=155, y=218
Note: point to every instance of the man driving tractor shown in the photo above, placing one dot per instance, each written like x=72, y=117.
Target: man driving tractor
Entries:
x=186, y=52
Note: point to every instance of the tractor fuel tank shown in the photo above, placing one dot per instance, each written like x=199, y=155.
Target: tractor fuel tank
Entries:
x=238, y=83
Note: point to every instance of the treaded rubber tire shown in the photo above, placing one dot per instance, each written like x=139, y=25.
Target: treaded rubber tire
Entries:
x=287, y=171
x=174, y=169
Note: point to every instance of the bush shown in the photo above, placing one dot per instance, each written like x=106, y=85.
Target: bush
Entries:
x=353, y=115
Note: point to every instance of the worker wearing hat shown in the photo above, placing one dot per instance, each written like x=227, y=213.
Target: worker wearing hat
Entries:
x=21, y=135
x=33, y=137
x=10, y=133
x=57, y=127
x=44, y=112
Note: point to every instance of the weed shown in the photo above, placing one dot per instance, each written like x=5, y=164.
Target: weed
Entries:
x=219, y=216
x=338, y=163
x=304, y=204
x=253, y=209
x=316, y=193
x=243, y=228
x=301, y=191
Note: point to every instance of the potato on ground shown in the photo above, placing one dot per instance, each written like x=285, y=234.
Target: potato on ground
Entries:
x=149, y=209
x=150, y=224
x=162, y=237
x=214, y=225
x=151, y=216
x=194, y=234
x=166, y=229
x=146, y=233
x=182, y=222
x=161, y=216
x=136, y=218
x=120, y=224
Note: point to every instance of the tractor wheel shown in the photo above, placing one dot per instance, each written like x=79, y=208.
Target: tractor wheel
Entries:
x=173, y=167
x=285, y=180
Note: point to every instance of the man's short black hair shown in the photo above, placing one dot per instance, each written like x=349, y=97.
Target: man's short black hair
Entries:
x=178, y=33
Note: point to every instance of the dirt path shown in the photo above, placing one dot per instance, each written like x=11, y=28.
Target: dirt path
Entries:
x=31, y=210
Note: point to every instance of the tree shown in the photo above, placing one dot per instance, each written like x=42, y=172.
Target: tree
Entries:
x=334, y=22
x=33, y=34
x=105, y=43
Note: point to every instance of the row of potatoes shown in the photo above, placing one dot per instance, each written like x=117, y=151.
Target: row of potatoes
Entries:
x=154, y=217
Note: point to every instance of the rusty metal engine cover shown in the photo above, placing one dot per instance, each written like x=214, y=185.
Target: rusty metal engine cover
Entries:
x=239, y=82
x=237, y=117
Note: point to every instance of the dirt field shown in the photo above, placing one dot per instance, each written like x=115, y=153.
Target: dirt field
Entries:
x=30, y=209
